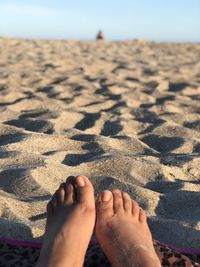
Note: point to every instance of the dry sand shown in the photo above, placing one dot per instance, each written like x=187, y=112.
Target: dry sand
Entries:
x=126, y=114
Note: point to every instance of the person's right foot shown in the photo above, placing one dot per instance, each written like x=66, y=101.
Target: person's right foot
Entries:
x=70, y=223
x=122, y=231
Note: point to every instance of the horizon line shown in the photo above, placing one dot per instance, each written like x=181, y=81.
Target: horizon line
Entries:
x=94, y=39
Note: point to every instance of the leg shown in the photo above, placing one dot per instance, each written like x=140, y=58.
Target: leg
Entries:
x=70, y=223
x=122, y=231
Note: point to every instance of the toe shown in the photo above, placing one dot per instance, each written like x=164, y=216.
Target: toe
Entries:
x=60, y=194
x=127, y=203
x=49, y=209
x=70, y=179
x=117, y=201
x=142, y=216
x=135, y=209
x=49, y=214
x=104, y=206
x=54, y=201
x=84, y=191
x=69, y=193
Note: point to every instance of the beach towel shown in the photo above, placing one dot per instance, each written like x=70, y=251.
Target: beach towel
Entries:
x=15, y=253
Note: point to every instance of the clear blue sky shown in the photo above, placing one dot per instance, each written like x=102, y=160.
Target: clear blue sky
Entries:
x=164, y=20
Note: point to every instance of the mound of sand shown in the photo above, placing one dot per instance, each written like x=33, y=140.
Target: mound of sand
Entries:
x=126, y=114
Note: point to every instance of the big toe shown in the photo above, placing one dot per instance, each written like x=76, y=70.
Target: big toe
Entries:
x=84, y=191
x=104, y=206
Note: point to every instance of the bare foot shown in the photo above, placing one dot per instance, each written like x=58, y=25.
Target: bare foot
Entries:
x=122, y=231
x=70, y=223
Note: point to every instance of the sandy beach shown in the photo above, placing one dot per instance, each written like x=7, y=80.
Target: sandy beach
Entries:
x=125, y=114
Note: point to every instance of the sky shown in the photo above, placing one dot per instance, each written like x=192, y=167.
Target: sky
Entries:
x=158, y=20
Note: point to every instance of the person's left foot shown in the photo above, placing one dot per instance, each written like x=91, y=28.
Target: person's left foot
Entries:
x=123, y=232
x=70, y=223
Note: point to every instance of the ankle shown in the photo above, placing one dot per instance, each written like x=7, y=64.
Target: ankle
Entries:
x=149, y=261
x=143, y=256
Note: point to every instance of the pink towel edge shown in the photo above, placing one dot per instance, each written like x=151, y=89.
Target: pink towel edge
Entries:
x=93, y=242
x=21, y=242
x=34, y=244
x=181, y=250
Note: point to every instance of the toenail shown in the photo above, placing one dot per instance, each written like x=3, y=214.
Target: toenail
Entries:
x=126, y=195
x=116, y=191
x=106, y=195
x=80, y=181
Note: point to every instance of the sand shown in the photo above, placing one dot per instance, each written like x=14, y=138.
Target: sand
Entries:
x=126, y=114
